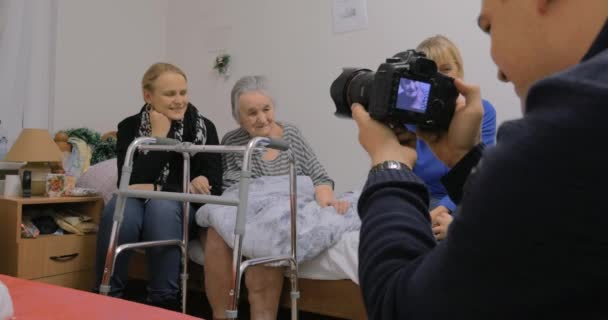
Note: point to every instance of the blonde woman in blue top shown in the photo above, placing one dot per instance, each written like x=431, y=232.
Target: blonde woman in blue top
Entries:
x=430, y=169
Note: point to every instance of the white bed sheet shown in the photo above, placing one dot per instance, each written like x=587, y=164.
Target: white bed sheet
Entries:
x=336, y=263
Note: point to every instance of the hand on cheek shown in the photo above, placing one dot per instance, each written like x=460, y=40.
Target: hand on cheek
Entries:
x=160, y=123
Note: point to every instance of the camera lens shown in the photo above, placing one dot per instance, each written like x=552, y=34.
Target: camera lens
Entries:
x=352, y=86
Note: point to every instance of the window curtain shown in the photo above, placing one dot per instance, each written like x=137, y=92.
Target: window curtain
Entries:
x=27, y=65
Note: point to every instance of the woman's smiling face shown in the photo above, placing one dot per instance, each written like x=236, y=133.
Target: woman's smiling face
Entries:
x=256, y=113
x=169, y=95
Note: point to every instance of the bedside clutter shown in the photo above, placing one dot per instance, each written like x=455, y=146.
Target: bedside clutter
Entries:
x=56, y=185
x=38, y=150
x=26, y=184
x=11, y=185
x=55, y=220
x=10, y=168
x=83, y=148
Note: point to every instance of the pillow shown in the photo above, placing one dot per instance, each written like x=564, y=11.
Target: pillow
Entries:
x=102, y=177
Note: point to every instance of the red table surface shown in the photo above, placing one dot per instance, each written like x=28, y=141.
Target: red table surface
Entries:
x=37, y=300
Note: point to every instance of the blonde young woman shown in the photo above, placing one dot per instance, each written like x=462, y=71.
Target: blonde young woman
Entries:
x=166, y=113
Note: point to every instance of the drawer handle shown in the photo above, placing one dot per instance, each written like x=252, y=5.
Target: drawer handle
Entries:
x=64, y=258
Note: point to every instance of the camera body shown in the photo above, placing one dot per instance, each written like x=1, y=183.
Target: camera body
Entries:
x=406, y=89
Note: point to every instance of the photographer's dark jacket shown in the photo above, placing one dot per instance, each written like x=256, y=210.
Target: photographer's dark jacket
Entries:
x=147, y=167
x=530, y=240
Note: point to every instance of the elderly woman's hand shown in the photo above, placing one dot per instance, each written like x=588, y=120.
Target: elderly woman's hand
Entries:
x=324, y=194
x=200, y=185
x=341, y=206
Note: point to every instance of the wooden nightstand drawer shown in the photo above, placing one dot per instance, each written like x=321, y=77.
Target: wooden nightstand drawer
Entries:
x=53, y=255
x=82, y=280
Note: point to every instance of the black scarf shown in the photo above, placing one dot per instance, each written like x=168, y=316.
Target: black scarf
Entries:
x=177, y=127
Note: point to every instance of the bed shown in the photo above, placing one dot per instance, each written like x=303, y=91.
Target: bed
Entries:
x=328, y=283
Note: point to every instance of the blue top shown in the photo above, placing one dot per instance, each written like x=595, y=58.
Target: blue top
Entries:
x=430, y=169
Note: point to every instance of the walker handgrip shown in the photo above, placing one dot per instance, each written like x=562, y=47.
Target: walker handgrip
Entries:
x=278, y=144
x=166, y=141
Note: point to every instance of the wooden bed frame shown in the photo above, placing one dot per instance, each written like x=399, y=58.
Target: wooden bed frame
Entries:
x=334, y=298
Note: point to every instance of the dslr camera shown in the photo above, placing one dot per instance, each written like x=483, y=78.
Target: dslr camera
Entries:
x=406, y=89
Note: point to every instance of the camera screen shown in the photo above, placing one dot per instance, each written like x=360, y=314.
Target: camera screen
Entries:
x=412, y=95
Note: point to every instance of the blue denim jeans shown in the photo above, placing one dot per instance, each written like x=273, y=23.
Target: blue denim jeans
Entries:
x=144, y=221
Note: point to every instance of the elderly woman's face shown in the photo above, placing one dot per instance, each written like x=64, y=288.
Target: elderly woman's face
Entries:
x=256, y=113
x=411, y=89
x=169, y=96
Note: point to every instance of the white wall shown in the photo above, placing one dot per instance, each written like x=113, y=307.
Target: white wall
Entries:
x=103, y=49
x=105, y=46
x=27, y=62
x=293, y=43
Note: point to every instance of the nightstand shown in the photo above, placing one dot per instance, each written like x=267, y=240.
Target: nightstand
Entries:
x=66, y=260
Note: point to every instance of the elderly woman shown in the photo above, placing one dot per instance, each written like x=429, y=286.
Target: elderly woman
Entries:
x=253, y=109
x=166, y=113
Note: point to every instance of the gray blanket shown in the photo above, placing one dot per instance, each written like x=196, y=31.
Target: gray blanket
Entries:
x=267, y=232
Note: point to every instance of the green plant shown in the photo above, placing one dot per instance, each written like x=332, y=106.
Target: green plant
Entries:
x=87, y=135
x=101, y=150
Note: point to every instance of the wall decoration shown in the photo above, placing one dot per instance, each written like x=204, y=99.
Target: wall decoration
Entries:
x=349, y=15
x=222, y=64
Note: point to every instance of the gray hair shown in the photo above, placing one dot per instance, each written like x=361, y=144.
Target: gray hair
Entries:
x=246, y=84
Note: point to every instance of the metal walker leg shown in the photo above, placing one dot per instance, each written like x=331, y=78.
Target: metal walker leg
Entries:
x=114, y=249
x=238, y=267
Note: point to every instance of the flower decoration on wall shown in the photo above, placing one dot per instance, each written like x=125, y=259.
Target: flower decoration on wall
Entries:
x=222, y=63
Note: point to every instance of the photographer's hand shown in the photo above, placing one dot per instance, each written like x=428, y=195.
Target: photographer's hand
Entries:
x=382, y=143
x=464, y=132
x=440, y=221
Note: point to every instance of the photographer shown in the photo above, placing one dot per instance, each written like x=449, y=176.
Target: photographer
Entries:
x=528, y=242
